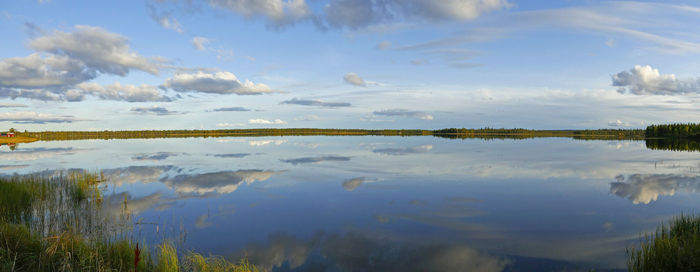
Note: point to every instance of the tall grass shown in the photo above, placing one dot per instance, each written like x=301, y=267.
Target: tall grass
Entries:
x=673, y=247
x=55, y=223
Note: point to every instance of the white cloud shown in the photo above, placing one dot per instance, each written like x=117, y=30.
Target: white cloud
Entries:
x=218, y=83
x=646, y=188
x=229, y=125
x=313, y=102
x=404, y=150
x=152, y=110
x=97, y=48
x=69, y=59
x=165, y=20
x=200, y=43
x=218, y=182
x=12, y=105
x=310, y=117
x=266, y=122
x=618, y=123
x=277, y=13
x=642, y=80
x=357, y=14
x=31, y=154
x=36, y=72
x=117, y=91
x=405, y=113
x=354, y=79
x=231, y=109
x=265, y=142
x=29, y=117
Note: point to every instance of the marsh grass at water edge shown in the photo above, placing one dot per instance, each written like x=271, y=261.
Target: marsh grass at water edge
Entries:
x=54, y=222
x=673, y=247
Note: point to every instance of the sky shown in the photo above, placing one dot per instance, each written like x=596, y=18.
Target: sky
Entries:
x=415, y=64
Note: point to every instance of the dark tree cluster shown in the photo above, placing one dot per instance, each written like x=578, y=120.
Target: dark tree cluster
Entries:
x=688, y=130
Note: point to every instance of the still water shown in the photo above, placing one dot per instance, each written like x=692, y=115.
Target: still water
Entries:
x=364, y=203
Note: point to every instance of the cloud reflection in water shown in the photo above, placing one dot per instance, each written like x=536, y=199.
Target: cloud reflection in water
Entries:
x=646, y=188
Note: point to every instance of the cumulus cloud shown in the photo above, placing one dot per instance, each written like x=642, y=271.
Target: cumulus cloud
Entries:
x=618, y=123
x=200, y=43
x=277, y=13
x=117, y=91
x=354, y=79
x=37, y=72
x=152, y=110
x=306, y=160
x=231, y=109
x=642, y=80
x=67, y=59
x=29, y=117
x=405, y=113
x=224, y=182
x=217, y=83
x=646, y=188
x=404, y=150
x=266, y=122
x=319, y=103
x=97, y=48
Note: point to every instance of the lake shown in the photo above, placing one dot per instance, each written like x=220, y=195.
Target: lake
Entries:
x=358, y=203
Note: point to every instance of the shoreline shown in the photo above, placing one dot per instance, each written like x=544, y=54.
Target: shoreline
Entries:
x=602, y=134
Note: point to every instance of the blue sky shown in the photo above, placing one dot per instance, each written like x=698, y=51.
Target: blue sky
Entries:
x=95, y=65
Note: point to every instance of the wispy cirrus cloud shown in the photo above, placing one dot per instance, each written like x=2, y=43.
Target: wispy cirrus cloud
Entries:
x=404, y=150
x=231, y=109
x=318, y=103
x=30, y=117
x=306, y=160
x=12, y=105
x=154, y=110
x=404, y=113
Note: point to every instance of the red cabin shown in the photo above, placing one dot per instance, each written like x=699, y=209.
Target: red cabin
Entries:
x=7, y=135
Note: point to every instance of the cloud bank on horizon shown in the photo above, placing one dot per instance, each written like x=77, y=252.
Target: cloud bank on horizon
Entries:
x=348, y=63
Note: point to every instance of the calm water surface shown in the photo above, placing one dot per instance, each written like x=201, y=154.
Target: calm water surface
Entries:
x=386, y=203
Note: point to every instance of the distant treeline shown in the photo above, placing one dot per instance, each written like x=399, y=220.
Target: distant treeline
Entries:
x=487, y=133
x=521, y=133
x=674, y=130
x=145, y=134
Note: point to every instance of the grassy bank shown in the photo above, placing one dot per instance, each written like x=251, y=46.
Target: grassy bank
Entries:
x=16, y=140
x=54, y=223
x=673, y=247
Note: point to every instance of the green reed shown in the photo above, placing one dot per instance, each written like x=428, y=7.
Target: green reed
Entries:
x=673, y=247
x=56, y=222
